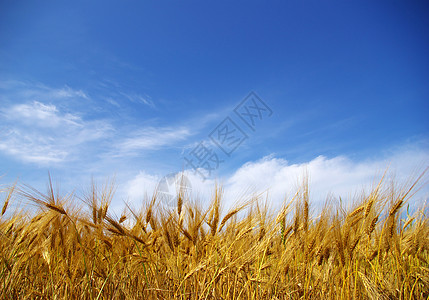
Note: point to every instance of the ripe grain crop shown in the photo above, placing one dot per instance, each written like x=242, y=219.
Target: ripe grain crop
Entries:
x=75, y=247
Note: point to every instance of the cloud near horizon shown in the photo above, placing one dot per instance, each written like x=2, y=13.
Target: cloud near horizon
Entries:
x=275, y=179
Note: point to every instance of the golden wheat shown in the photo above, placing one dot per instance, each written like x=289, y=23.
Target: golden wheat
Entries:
x=60, y=250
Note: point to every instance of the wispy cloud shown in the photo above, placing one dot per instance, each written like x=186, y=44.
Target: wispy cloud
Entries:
x=150, y=138
x=39, y=114
x=138, y=98
x=112, y=102
x=114, y=92
x=31, y=148
x=41, y=133
x=41, y=125
x=38, y=91
x=67, y=92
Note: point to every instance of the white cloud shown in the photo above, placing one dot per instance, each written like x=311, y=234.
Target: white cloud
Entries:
x=40, y=124
x=40, y=114
x=30, y=147
x=150, y=138
x=34, y=91
x=112, y=102
x=137, y=98
x=43, y=125
x=142, y=185
x=337, y=177
x=67, y=92
x=40, y=133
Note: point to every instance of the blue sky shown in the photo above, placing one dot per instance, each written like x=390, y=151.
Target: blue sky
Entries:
x=95, y=89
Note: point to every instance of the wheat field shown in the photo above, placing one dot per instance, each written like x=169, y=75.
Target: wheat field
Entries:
x=68, y=247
